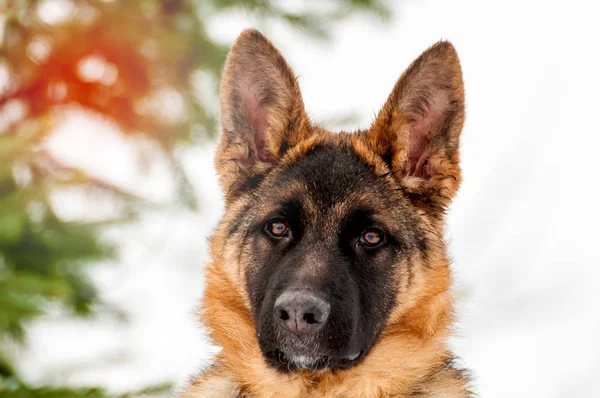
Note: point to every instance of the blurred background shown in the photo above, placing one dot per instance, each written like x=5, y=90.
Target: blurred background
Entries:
x=108, y=121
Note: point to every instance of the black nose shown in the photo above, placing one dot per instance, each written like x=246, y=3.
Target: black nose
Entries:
x=301, y=311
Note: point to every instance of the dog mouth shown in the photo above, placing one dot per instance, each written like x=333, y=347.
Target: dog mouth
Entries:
x=298, y=361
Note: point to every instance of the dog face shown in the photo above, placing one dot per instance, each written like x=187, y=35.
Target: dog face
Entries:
x=331, y=238
x=324, y=254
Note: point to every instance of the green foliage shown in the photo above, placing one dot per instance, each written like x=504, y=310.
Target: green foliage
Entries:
x=150, y=67
x=18, y=390
x=42, y=258
x=11, y=388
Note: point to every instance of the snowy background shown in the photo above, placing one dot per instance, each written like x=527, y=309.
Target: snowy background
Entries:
x=523, y=230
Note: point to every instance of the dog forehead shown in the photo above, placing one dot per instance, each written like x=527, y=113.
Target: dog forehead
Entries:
x=329, y=175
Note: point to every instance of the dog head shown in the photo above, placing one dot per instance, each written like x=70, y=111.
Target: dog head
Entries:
x=334, y=238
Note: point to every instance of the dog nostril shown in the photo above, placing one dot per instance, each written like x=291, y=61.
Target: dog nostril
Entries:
x=300, y=311
x=283, y=315
x=310, y=318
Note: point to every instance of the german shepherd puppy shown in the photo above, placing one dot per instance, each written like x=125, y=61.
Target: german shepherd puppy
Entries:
x=329, y=275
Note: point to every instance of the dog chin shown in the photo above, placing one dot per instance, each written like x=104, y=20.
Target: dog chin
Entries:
x=303, y=361
x=297, y=361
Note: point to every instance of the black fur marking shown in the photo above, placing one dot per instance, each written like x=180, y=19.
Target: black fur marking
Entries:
x=245, y=185
x=388, y=157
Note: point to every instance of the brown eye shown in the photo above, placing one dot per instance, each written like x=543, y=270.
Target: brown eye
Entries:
x=277, y=229
x=371, y=238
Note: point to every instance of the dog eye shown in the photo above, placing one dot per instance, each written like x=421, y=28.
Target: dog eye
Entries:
x=277, y=228
x=372, y=237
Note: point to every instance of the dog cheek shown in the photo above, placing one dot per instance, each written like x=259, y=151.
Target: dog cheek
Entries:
x=261, y=264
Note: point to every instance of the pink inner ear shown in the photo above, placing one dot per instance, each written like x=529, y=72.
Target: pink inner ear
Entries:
x=422, y=131
x=417, y=148
x=257, y=118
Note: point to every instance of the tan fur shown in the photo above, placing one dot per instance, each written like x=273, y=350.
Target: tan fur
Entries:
x=411, y=356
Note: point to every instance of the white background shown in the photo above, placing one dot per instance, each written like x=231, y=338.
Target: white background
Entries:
x=523, y=230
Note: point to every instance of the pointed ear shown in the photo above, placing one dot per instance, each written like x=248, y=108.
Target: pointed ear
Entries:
x=417, y=131
x=262, y=113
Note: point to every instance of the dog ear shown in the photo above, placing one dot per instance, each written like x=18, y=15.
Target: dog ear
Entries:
x=262, y=113
x=417, y=130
